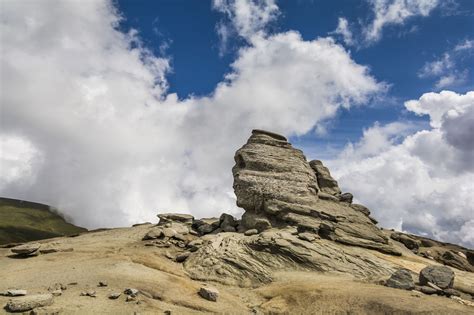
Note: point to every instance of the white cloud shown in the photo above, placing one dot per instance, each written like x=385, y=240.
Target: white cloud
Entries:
x=385, y=13
x=424, y=184
x=446, y=68
x=344, y=30
x=393, y=12
x=116, y=147
x=247, y=17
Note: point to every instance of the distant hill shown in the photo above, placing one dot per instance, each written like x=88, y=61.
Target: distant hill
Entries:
x=23, y=221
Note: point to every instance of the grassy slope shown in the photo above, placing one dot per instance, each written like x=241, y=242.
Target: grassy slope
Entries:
x=22, y=221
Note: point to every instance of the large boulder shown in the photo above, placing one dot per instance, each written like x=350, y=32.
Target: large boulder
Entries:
x=440, y=276
x=278, y=187
x=401, y=279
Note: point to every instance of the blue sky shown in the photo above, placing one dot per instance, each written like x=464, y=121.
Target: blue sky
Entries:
x=188, y=30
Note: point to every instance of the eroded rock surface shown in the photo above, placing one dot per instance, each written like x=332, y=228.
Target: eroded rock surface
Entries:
x=277, y=187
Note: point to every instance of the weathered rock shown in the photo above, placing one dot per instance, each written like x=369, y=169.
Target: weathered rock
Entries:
x=29, y=302
x=227, y=220
x=427, y=290
x=206, y=225
x=441, y=276
x=182, y=256
x=326, y=183
x=103, y=283
x=26, y=250
x=90, y=293
x=153, y=234
x=401, y=279
x=451, y=292
x=307, y=236
x=175, y=217
x=277, y=187
x=14, y=292
x=131, y=291
x=251, y=260
x=346, y=197
x=115, y=295
x=406, y=240
x=209, y=293
x=251, y=232
x=57, y=292
x=361, y=208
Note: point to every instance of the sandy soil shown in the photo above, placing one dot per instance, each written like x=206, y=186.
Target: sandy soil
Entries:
x=119, y=257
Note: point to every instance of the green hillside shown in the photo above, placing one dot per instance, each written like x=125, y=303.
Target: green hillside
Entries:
x=22, y=221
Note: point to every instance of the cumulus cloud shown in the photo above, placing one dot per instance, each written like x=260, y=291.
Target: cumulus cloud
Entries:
x=446, y=68
x=424, y=183
x=104, y=140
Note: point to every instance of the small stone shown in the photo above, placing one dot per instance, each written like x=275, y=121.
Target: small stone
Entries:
x=451, y=292
x=167, y=312
x=57, y=292
x=130, y=298
x=131, y=291
x=115, y=295
x=209, y=293
x=428, y=290
x=15, y=292
x=182, y=257
x=103, y=283
x=251, y=232
x=29, y=302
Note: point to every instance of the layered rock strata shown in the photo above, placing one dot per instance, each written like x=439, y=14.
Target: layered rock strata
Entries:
x=278, y=187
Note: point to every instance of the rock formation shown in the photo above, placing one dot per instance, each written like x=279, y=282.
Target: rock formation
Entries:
x=277, y=187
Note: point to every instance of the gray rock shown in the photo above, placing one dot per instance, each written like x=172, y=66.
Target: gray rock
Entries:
x=326, y=183
x=206, y=229
x=29, y=302
x=251, y=232
x=427, y=290
x=131, y=291
x=406, y=240
x=346, y=197
x=209, y=293
x=401, y=279
x=227, y=220
x=115, y=295
x=440, y=276
x=451, y=292
x=182, y=256
x=90, y=293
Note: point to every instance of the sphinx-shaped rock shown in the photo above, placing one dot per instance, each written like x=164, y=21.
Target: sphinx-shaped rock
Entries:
x=277, y=187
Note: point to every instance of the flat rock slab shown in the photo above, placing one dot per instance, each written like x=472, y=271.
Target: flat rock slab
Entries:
x=26, y=249
x=26, y=303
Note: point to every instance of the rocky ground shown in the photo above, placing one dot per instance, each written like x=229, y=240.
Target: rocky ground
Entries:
x=301, y=247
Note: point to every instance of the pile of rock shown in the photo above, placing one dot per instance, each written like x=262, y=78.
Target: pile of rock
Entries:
x=445, y=253
x=432, y=280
